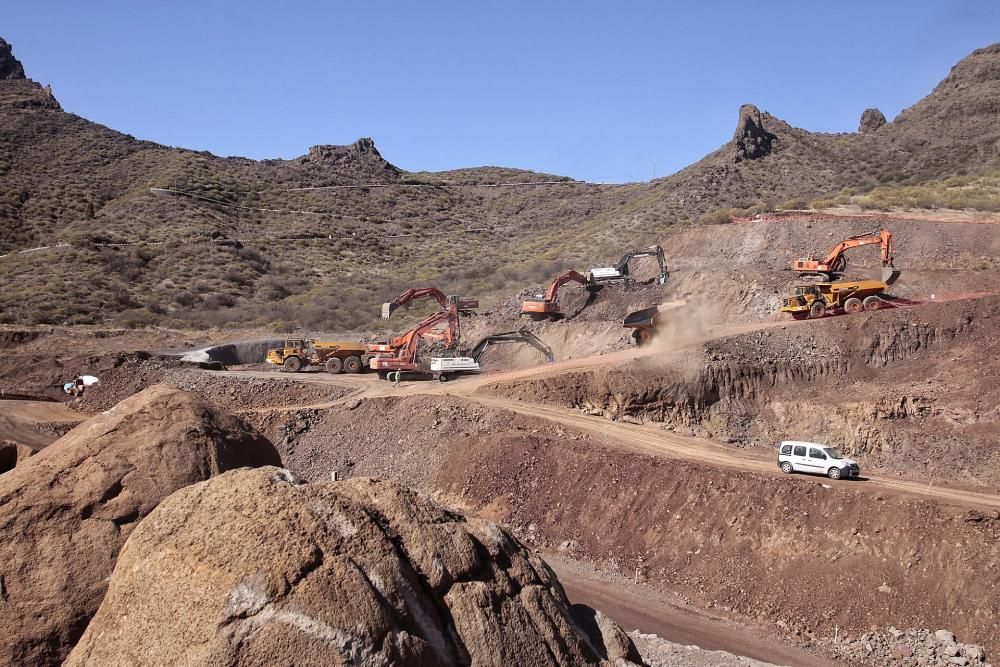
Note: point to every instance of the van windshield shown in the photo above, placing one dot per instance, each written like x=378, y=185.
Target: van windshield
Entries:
x=833, y=453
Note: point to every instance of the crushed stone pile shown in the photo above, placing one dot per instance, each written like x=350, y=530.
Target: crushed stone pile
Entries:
x=66, y=512
x=659, y=652
x=258, y=567
x=908, y=648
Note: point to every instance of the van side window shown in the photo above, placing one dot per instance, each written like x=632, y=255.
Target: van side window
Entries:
x=786, y=449
x=800, y=450
x=816, y=454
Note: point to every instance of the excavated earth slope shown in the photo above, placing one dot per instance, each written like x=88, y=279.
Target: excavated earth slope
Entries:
x=912, y=391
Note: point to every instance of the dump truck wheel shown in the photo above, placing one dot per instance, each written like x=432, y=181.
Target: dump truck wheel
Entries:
x=817, y=310
x=352, y=365
x=334, y=365
x=833, y=473
x=786, y=467
x=292, y=365
x=853, y=306
x=872, y=303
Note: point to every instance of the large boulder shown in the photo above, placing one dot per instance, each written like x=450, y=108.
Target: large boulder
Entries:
x=257, y=567
x=66, y=512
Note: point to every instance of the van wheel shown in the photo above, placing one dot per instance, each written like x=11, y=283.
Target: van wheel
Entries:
x=292, y=365
x=786, y=467
x=352, y=365
x=833, y=473
x=443, y=377
x=334, y=365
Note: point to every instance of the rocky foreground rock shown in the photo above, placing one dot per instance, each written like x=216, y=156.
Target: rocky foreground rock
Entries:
x=257, y=567
x=66, y=512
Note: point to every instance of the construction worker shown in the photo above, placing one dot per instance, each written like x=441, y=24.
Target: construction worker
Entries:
x=395, y=382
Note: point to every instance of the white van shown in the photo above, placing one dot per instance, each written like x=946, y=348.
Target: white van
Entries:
x=796, y=456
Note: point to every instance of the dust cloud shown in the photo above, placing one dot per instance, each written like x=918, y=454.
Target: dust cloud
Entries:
x=682, y=325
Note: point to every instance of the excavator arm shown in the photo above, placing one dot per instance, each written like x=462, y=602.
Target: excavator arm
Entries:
x=415, y=293
x=519, y=336
x=835, y=261
x=401, y=351
x=655, y=251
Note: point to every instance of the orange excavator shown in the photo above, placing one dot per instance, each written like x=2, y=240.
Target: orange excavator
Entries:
x=414, y=293
x=546, y=305
x=400, y=353
x=835, y=262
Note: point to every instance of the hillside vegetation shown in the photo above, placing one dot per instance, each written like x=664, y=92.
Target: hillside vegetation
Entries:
x=211, y=241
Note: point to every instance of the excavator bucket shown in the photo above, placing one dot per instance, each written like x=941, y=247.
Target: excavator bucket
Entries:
x=890, y=275
x=387, y=309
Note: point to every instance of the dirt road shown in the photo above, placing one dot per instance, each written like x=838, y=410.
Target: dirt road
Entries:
x=654, y=441
x=649, y=610
x=645, y=439
x=19, y=421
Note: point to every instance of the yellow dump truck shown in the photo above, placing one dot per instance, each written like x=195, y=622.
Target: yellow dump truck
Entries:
x=814, y=300
x=336, y=356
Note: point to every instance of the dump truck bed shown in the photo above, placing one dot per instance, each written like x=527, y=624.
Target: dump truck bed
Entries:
x=344, y=345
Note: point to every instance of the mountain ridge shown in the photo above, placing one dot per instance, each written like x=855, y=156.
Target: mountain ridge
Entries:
x=275, y=243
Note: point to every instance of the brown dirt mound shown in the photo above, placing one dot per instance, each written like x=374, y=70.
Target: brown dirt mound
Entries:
x=69, y=509
x=229, y=393
x=257, y=567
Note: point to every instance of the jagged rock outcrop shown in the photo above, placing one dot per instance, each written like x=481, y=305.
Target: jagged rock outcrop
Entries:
x=257, y=567
x=362, y=153
x=751, y=140
x=871, y=120
x=66, y=512
x=10, y=67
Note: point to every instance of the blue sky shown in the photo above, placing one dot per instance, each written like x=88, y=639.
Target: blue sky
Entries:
x=599, y=91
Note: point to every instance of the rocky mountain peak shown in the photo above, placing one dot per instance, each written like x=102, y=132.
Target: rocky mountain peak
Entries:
x=980, y=66
x=752, y=140
x=10, y=67
x=871, y=120
x=362, y=153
